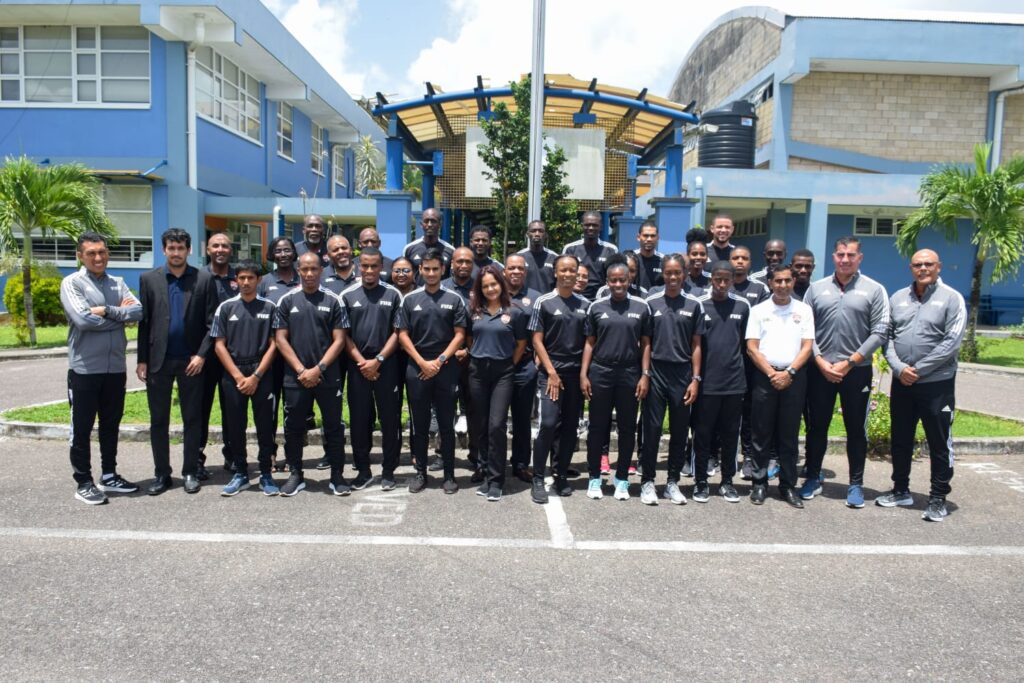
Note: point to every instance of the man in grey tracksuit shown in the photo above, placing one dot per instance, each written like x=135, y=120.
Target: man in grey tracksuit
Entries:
x=851, y=321
x=97, y=306
x=925, y=332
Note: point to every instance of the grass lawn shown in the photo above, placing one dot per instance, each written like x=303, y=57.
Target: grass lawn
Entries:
x=45, y=336
x=1008, y=353
x=967, y=424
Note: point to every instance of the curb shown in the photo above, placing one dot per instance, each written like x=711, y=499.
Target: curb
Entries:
x=140, y=434
x=982, y=369
x=42, y=354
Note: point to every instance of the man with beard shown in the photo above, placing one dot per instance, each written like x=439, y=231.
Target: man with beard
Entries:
x=313, y=231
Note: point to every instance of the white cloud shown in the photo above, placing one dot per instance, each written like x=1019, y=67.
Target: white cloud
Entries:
x=322, y=26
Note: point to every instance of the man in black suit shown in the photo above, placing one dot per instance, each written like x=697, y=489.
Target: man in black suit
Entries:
x=178, y=303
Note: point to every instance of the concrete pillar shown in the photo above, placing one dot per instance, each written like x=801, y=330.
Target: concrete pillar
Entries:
x=674, y=216
x=817, y=236
x=627, y=226
x=394, y=216
x=777, y=225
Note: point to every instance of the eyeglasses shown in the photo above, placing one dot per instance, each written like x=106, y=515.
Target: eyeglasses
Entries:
x=922, y=264
x=404, y=271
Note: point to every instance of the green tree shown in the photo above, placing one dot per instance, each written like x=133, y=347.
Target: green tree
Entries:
x=47, y=201
x=370, y=172
x=993, y=201
x=507, y=155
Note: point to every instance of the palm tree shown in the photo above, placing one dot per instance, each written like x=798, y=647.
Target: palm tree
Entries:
x=994, y=201
x=54, y=200
x=369, y=166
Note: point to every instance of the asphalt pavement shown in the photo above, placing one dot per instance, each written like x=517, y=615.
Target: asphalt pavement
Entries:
x=394, y=585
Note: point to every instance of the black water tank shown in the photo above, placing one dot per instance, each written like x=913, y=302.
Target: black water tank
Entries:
x=732, y=146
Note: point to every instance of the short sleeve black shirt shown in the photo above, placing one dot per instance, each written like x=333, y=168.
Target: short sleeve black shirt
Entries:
x=674, y=321
x=495, y=336
x=540, y=269
x=649, y=274
x=336, y=283
x=562, y=322
x=431, y=318
x=595, y=259
x=723, y=343
x=273, y=287
x=245, y=326
x=226, y=285
x=618, y=327
x=311, y=320
x=463, y=291
x=371, y=314
x=754, y=292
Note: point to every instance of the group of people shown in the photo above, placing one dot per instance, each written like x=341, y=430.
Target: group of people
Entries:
x=730, y=360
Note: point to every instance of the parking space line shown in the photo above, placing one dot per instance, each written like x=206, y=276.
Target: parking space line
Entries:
x=561, y=540
x=558, y=523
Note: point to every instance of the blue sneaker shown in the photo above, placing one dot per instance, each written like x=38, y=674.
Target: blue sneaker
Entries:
x=594, y=489
x=621, y=489
x=268, y=485
x=773, y=469
x=855, y=496
x=239, y=482
x=811, y=488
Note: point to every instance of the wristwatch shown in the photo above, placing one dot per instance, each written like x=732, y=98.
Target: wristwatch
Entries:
x=698, y=378
x=258, y=374
x=380, y=357
x=792, y=371
x=323, y=368
x=646, y=373
x=442, y=358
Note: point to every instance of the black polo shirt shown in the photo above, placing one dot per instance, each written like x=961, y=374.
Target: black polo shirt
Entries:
x=477, y=265
x=245, y=326
x=371, y=314
x=525, y=299
x=754, y=292
x=430, y=319
x=302, y=248
x=724, y=343
x=226, y=285
x=634, y=290
x=415, y=250
x=540, y=269
x=595, y=259
x=716, y=253
x=336, y=283
x=649, y=274
x=697, y=286
x=495, y=336
x=674, y=321
x=618, y=327
x=311, y=320
x=463, y=291
x=273, y=287
x=561, y=321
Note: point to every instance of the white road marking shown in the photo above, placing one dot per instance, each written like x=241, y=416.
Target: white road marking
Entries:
x=1008, y=477
x=558, y=523
x=694, y=547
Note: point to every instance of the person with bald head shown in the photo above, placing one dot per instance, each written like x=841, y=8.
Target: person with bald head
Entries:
x=430, y=222
x=314, y=232
x=925, y=332
x=461, y=283
x=342, y=271
x=369, y=237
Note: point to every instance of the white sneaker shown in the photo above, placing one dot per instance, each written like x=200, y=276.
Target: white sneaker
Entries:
x=673, y=493
x=461, y=425
x=594, y=489
x=648, y=494
x=621, y=489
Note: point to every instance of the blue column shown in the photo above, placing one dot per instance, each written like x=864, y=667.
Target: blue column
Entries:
x=777, y=226
x=674, y=216
x=446, y=225
x=427, y=187
x=606, y=225
x=627, y=226
x=817, y=235
x=393, y=153
x=674, y=165
x=394, y=216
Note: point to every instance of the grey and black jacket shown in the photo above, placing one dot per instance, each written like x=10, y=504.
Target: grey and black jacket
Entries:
x=848, y=320
x=96, y=344
x=926, y=333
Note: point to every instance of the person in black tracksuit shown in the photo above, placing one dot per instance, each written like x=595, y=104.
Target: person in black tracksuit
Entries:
x=721, y=399
x=754, y=291
x=615, y=374
x=461, y=282
x=432, y=325
x=243, y=328
x=524, y=382
x=372, y=307
x=311, y=336
x=218, y=248
x=540, y=261
x=496, y=339
x=677, y=324
x=557, y=323
x=698, y=281
x=273, y=286
x=403, y=278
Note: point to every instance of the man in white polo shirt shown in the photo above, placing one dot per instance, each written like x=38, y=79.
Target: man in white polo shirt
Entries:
x=780, y=334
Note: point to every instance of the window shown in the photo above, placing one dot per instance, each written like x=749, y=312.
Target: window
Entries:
x=338, y=165
x=284, y=129
x=868, y=226
x=752, y=227
x=227, y=95
x=86, y=65
x=130, y=208
x=319, y=145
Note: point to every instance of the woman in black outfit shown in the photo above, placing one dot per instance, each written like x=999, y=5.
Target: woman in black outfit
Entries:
x=496, y=340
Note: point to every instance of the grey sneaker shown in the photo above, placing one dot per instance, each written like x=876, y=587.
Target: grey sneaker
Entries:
x=116, y=484
x=895, y=498
x=701, y=493
x=387, y=483
x=648, y=494
x=89, y=494
x=728, y=491
x=673, y=494
x=747, y=471
x=712, y=466
x=936, y=511
x=417, y=482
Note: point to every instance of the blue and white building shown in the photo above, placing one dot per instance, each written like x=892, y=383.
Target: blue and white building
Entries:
x=851, y=113
x=205, y=116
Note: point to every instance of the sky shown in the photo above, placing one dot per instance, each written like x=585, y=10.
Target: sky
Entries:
x=394, y=46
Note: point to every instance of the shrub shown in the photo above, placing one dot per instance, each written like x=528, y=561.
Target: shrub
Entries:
x=45, y=299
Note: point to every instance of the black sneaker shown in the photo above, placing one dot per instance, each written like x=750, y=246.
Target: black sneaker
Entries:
x=701, y=492
x=494, y=493
x=450, y=486
x=477, y=477
x=436, y=465
x=562, y=487
x=387, y=483
x=323, y=463
x=418, y=482
x=202, y=474
x=294, y=484
x=728, y=491
x=483, y=489
x=117, y=484
x=747, y=470
x=339, y=486
x=572, y=473
x=539, y=492
x=936, y=511
x=758, y=493
x=362, y=481
x=89, y=494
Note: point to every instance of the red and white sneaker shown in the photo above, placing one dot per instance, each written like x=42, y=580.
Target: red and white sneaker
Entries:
x=606, y=467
